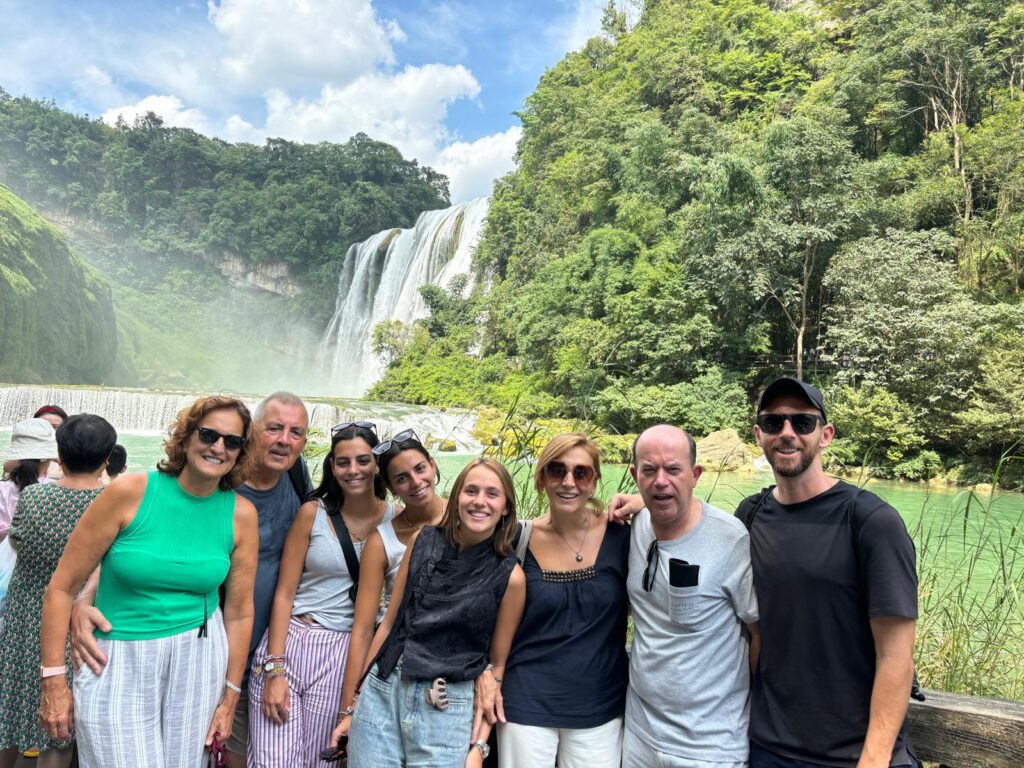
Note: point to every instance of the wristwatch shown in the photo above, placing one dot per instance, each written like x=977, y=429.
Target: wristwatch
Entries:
x=484, y=748
x=272, y=667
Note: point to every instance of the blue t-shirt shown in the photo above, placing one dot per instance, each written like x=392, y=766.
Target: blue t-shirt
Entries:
x=568, y=666
x=276, y=509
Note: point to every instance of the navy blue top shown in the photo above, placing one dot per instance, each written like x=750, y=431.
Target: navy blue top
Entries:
x=568, y=666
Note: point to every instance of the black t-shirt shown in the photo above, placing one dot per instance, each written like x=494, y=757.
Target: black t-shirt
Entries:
x=817, y=589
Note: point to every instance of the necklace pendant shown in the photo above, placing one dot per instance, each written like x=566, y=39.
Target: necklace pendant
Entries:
x=579, y=558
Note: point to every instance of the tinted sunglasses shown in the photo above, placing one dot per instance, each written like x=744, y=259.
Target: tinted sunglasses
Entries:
x=349, y=424
x=557, y=470
x=803, y=423
x=336, y=753
x=652, y=566
x=209, y=436
x=405, y=436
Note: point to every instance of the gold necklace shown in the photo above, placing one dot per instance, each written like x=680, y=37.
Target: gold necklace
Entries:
x=583, y=541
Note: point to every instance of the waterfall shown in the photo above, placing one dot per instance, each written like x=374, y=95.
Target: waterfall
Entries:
x=380, y=281
x=140, y=410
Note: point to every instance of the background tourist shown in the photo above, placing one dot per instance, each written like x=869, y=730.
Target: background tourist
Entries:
x=167, y=540
x=116, y=464
x=564, y=687
x=460, y=587
x=33, y=446
x=55, y=416
x=299, y=663
x=47, y=514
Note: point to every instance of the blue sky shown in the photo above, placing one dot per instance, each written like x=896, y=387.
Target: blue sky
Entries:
x=440, y=80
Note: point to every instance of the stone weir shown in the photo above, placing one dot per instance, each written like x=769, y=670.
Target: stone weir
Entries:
x=142, y=411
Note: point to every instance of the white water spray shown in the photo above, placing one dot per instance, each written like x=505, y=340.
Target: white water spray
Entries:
x=380, y=281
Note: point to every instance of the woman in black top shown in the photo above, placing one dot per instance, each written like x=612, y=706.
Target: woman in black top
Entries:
x=564, y=689
x=462, y=596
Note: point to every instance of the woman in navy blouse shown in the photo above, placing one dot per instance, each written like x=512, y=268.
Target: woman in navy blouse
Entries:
x=564, y=689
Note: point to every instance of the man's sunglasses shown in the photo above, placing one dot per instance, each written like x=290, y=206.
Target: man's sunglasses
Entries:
x=349, y=424
x=338, y=753
x=557, y=470
x=652, y=566
x=803, y=423
x=405, y=436
x=209, y=436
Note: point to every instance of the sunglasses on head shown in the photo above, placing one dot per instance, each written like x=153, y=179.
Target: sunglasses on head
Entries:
x=349, y=424
x=209, y=436
x=803, y=423
x=406, y=436
x=557, y=470
x=652, y=566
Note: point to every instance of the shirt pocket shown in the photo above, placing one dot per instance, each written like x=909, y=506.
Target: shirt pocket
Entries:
x=688, y=608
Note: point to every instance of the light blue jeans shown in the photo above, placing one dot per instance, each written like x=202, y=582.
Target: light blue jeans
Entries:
x=393, y=726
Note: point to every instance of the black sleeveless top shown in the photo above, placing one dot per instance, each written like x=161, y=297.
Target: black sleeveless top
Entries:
x=448, y=611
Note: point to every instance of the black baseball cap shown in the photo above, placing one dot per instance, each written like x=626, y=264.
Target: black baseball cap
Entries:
x=789, y=386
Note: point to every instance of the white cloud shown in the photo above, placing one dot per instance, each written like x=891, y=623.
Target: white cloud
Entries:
x=282, y=43
x=170, y=108
x=407, y=109
x=583, y=24
x=472, y=167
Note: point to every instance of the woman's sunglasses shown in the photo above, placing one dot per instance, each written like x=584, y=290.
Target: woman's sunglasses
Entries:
x=406, y=436
x=349, y=424
x=557, y=470
x=803, y=423
x=209, y=436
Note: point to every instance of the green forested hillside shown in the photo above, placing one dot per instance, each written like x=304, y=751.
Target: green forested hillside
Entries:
x=56, y=317
x=163, y=198
x=734, y=188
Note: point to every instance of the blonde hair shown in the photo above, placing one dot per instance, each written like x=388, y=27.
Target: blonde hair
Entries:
x=505, y=533
x=557, y=447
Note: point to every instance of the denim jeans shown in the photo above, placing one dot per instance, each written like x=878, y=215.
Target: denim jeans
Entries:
x=394, y=726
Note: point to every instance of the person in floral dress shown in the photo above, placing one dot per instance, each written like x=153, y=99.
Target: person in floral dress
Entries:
x=44, y=519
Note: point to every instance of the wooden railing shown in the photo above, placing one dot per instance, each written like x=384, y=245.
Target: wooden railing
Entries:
x=959, y=731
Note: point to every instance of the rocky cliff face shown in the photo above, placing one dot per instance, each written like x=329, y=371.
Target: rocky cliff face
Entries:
x=56, y=315
x=273, y=277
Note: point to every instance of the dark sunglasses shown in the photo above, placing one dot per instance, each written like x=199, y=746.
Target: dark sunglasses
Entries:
x=652, y=566
x=803, y=423
x=349, y=424
x=406, y=436
x=557, y=470
x=209, y=436
x=339, y=752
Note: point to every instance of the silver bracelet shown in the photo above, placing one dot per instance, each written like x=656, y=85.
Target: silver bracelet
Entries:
x=232, y=686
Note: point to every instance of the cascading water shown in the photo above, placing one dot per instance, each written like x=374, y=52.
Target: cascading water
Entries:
x=380, y=281
x=149, y=411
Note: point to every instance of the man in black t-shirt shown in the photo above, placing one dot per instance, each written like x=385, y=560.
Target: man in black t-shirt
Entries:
x=834, y=571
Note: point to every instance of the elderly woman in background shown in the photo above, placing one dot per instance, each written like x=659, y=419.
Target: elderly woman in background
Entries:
x=167, y=541
x=46, y=515
x=564, y=688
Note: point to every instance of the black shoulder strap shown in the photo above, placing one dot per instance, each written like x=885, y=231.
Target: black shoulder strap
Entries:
x=298, y=478
x=348, y=549
x=760, y=501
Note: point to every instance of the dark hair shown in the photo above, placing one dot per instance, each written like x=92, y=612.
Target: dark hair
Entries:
x=505, y=533
x=329, y=491
x=26, y=473
x=56, y=410
x=118, y=461
x=689, y=439
x=412, y=444
x=180, y=432
x=84, y=442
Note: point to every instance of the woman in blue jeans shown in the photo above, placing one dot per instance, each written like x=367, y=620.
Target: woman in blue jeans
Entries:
x=462, y=595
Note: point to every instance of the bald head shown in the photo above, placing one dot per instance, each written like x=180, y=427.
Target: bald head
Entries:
x=667, y=436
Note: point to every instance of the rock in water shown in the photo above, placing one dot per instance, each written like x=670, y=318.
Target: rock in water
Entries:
x=722, y=451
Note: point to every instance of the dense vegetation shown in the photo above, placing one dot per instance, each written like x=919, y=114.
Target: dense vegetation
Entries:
x=167, y=198
x=56, y=317
x=733, y=188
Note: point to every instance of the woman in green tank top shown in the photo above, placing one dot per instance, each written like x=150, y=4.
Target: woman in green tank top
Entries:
x=166, y=541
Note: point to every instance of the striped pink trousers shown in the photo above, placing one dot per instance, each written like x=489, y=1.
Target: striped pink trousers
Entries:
x=316, y=664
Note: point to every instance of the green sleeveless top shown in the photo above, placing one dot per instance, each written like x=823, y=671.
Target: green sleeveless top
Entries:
x=161, y=574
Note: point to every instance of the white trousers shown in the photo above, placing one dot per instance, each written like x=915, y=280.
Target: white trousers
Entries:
x=152, y=704
x=532, y=746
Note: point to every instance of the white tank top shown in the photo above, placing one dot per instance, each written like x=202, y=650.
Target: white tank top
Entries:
x=395, y=550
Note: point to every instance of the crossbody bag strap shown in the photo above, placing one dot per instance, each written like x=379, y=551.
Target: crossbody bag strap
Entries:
x=523, y=543
x=348, y=549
